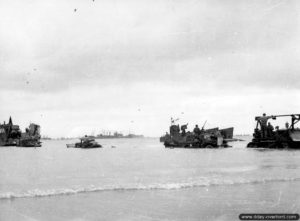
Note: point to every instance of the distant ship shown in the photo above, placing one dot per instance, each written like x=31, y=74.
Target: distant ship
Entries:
x=46, y=138
x=116, y=135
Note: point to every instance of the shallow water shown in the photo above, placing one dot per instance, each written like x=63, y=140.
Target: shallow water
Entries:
x=142, y=169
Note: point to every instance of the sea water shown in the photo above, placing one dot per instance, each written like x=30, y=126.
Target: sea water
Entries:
x=139, y=179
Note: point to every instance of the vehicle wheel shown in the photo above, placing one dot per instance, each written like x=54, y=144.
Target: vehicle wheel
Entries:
x=251, y=145
x=209, y=146
x=285, y=145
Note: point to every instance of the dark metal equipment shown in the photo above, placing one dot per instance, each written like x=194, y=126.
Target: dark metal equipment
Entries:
x=85, y=143
x=265, y=136
x=200, y=138
x=11, y=135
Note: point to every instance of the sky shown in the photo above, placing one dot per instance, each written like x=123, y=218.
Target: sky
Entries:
x=85, y=67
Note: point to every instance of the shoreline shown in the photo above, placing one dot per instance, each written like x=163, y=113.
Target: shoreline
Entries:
x=203, y=203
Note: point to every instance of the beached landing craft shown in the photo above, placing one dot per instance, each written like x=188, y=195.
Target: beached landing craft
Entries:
x=31, y=138
x=11, y=135
x=264, y=135
x=85, y=143
x=211, y=138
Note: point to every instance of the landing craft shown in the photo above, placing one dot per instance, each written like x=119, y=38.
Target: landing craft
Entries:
x=11, y=135
x=210, y=138
x=31, y=137
x=266, y=137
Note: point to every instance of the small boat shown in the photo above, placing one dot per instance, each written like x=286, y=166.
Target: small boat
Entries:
x=85, y=143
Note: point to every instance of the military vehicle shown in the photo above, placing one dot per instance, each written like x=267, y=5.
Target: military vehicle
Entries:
x=266, y=137
x=86, y=143
x=31, y=138
x=210, y=138
x=11, y=135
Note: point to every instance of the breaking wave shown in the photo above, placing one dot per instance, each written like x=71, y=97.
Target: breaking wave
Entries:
x=167, y=186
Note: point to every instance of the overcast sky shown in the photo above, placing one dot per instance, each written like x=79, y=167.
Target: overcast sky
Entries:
x=80, y=66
